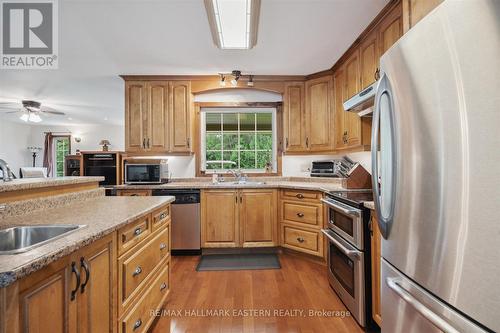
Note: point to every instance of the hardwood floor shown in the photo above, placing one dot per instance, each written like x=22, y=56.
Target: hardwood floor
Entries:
x=300, y=285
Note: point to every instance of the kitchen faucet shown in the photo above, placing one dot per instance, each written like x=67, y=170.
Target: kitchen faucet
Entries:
x=240, y=177
x=7, y=174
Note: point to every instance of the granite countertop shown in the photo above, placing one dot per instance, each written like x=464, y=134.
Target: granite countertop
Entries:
x=314, y=184
x=31, y=183
x=102, y=215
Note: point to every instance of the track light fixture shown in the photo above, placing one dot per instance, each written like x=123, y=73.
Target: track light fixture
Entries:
x=236, y=75
x=222, y=82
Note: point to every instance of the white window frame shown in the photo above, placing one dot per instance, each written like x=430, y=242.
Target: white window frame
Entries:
x=274, y=130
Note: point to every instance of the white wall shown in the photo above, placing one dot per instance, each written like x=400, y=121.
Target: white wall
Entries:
x=90, y=136
x=14, y=140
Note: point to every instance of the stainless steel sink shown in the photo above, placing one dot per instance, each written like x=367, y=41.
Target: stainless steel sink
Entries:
x=24, y=238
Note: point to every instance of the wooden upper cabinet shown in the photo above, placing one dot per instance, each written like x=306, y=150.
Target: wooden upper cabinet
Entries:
x=294, y=117
x=339, y=94
x=352, y=122
x=157, y=139
x=415, y=10
x=158, y=116
x=258, y=218
x=318, y=114
x=180, y=114
x=219, y=226
x=136, y=105
x=369, y=59
x=390, y=29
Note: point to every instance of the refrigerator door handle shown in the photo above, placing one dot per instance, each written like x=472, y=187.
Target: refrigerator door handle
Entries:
x=427, y=313
x=384, y=222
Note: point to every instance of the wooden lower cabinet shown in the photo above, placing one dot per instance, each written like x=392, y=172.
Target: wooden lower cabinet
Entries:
x=51, y=300
x=301, y=221
x=79, y=292
x=239, y=218
x=376, y=243
x=258, y=218
x=219, y=216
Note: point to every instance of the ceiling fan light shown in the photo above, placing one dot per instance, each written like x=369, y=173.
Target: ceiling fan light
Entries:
x=33, y=117
x=24, y=117
x=234, y=82
x=222, y=82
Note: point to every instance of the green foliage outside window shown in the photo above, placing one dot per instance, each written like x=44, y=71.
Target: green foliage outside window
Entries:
x=61, y=147
x=245, y=139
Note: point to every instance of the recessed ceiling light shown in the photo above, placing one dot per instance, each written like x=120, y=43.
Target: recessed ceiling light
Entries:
x=105, y=118
x=69, y=118
x=233, y=23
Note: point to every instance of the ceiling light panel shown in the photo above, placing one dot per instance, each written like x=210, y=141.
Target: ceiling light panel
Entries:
x=233, y=22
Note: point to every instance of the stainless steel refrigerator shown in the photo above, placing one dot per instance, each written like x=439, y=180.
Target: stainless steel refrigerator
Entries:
x=437, y=124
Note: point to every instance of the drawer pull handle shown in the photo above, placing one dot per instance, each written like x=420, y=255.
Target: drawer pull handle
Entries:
x=163, y=286
x=163, y=215
x=137, y=231
x=300, y=239
x=137, y=324
x=163, y=246
x=137, y=271
x=300, y=196
x=300, y=214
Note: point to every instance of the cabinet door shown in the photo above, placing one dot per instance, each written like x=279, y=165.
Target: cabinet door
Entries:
x=294, y=117
x=96, y=296
x=180, y=109
x=368, y=57
x=390, y=29
x=376, y=265
x=415, y=10
x=219, y=218
x=352, y=121
x=157, y=140
x=318, y=114
x=45, y=304
x=339, y=97
x=136, y=117
x=258, y=218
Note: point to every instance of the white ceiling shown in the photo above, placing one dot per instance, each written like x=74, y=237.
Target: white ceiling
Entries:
x=101, y=39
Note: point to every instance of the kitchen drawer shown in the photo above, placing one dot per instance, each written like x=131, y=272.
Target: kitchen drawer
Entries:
x=133, y=233
x=160, y=217
x=301, y=195
x=139, y=318
x=135, y=267
x=133, y=193
x=308, y=214
x=302, y=240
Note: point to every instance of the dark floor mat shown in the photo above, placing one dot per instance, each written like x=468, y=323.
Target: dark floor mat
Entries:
x=236, y=262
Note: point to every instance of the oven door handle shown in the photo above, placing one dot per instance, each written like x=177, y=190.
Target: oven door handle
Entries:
x=354, y=212
x=354, y=254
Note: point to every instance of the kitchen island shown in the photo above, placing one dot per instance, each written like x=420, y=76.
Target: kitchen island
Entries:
x=103, y=276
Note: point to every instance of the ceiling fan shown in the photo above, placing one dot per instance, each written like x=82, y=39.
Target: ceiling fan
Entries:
x=30, y=111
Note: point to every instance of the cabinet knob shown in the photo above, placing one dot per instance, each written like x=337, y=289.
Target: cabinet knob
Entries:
x=300, y=239
x=137, y=324
x=137, y=231
x=163, y=286
x=300, y=196
x=137, y=271
x=163, y=246
x=300, y=214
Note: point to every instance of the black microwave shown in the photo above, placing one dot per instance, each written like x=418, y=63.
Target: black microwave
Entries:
x=156, y=173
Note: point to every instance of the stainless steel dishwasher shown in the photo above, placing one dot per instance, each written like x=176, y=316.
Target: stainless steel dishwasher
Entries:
x=185, y=231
